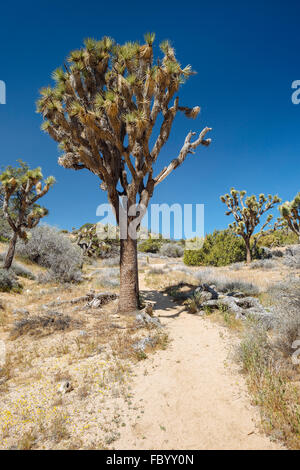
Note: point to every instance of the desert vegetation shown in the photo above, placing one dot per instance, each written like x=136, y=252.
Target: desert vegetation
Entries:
x=21, y=189
x=109, y=93
x=83, y=316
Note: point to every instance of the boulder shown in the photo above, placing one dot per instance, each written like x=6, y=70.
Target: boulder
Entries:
x=205, y=292
x=144, y=319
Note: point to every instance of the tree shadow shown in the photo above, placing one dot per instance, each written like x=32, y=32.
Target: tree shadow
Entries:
x=170, y=298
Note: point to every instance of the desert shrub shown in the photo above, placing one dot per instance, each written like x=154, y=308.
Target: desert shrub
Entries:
x=150, y=245
x=8, y=281
x=225, y=284
x=285, y=297
x=42, y=324
x=109, y=282
x=171, y=250
x=115, y=261
x=277, y=238
x=156, y=270
x=109, y=277
x=22, y=271
x=5, y=230
x=237, y=266
x=53, y=250
x=263, y=264
x=267, y=361
x=181, y=269
x=219, y=249
x=19, y=270
x=194, y=302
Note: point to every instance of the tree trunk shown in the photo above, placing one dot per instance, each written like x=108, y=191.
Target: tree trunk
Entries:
x=248, y=251
x=11, y=251
x=129, y=284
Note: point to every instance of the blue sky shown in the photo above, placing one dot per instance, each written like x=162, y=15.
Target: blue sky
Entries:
x=246, y=55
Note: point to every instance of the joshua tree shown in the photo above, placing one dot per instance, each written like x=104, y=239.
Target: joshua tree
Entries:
x=247, y=214
x=20, y=194
x=17, y=172
x=290, y=214
x=103, y=112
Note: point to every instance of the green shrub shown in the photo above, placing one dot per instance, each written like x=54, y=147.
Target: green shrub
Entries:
x=219, y=249
x=278, y=238
x=151, y=245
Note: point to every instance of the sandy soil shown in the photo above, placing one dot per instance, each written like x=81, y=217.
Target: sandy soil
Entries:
x=190, y=395
x=193, y=395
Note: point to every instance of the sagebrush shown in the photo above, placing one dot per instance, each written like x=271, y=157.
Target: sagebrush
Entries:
x=54, y=251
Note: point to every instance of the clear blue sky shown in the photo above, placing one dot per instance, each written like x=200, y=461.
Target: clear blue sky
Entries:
x=246, y=55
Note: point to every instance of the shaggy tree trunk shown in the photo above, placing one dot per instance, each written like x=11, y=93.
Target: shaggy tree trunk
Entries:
x=248, y=251
x=11, y=251
x=129, y=284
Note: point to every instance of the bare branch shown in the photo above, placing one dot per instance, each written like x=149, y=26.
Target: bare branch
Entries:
x=187, y=148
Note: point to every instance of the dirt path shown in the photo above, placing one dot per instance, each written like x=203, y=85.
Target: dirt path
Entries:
x=192, y=394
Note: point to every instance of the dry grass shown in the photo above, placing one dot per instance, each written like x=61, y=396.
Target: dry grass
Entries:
x=94, y=352
x=272, y=385
x=92, y=349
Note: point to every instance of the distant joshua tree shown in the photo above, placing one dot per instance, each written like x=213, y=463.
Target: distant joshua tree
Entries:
x=103, y=111
x=247, y=214
x=20, y=191
x=290, y=215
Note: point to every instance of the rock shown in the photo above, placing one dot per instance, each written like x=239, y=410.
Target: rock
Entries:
x=143, y=343
x=293, y=250
x=236, y=294
x=143, y=318
x=206, y=292
x=65, y=387
x=21, y=311
x=242, y=307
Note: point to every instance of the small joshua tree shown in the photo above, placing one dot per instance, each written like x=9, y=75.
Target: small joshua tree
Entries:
x=20, y=195
x=88, y=241
x=103, y=112
x=290, y=215
x=247, y=214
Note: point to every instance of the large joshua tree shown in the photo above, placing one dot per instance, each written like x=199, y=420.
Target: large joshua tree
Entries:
x=103, y=112
x=247, y=214
x=290, y=215
x=21, y=190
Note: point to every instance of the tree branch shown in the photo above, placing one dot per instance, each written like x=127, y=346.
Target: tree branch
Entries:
x=188, y=147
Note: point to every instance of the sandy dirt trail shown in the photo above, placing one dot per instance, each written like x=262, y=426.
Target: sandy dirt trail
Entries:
x=192, y=393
